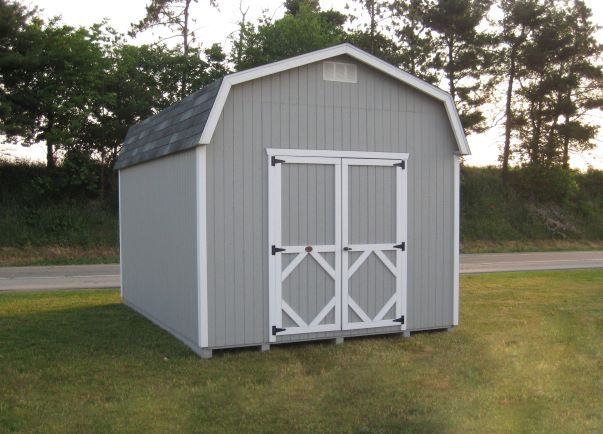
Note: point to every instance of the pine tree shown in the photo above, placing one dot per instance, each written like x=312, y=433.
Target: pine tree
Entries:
x=464, y=55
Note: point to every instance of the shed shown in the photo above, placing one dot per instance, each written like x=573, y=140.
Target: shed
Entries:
x=311, y=198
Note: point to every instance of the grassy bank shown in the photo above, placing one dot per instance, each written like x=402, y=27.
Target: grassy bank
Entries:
x=526, y=358
x=530, y=211
x=56, y=216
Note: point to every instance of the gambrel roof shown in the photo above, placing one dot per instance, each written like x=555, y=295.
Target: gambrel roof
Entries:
x=177, y=128
x=192, y=121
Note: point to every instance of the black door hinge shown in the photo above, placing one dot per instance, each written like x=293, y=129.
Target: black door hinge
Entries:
x=401, y=164
x=276, y=330
x=274, y=161
x=400, y=320
x=401, y=246
x=275, y=250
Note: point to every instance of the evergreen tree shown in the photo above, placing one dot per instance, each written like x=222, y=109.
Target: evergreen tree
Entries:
x=520, y=19
x=415, y=38
x=464, y=55
x=563, y=82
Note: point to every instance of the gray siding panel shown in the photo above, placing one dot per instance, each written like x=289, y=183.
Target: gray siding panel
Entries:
x=159, y=247
x=297, y=109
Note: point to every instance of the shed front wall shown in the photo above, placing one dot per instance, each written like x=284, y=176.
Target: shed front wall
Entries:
x=297, y=109
x=159, y=247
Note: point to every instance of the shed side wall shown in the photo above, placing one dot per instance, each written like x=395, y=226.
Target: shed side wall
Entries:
x=297, y=109
x=159, y=242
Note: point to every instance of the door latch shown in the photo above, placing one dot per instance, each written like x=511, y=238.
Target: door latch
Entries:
x=347, y=249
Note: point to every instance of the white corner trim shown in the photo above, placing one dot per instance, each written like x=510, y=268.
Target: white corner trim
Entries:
x=326, y=53
x=121, y=255
x=456, y=245
x=336, y=154
x=201, y=186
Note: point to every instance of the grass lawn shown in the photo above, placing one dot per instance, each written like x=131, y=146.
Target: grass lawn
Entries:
x=528, y=357
x=477, y=246
x=57, y=255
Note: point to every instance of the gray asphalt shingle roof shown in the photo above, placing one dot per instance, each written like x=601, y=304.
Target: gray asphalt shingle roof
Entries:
x=176, y=128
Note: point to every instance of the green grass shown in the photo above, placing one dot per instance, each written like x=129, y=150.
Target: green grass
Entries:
x=57, y=255
x=526, y=358
x=475, y=246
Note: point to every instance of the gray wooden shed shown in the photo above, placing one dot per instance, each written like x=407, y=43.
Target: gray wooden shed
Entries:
x=312, y=198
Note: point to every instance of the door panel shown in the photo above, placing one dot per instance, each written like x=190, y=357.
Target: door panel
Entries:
x=373, y=261
x=371, y=201
x=305, y=221
x=308, y=204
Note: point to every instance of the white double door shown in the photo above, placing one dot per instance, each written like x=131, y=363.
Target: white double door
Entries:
x=337, y=229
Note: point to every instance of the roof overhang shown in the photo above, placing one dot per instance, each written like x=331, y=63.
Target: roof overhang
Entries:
x=326, y=53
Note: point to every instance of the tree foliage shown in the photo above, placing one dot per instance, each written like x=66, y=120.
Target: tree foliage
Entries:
x=561, y=82
x=50, y=80
x=415, y=39
x=302, y=29
x=176, y=16
x=79, y=89
x=463, y=55
x=521, y=18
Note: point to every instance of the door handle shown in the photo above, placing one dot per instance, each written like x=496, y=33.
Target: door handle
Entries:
x=347, y=249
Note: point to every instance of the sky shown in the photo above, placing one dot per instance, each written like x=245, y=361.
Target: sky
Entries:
x=216, y=25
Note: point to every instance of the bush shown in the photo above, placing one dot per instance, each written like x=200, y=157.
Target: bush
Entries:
x=60, y=206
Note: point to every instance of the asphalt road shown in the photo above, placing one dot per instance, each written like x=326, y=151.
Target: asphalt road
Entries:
x=107, y=276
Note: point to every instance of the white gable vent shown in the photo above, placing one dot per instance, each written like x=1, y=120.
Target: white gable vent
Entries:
x=337, y=71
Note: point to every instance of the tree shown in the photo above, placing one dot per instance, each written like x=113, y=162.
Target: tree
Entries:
x=293, y=34
x=561, y=84
x=372, y=39
x=49, y=81
x=415, y=38
x=14, y=18
x=176, y=16
x=520, y=19
x=463, y=53
x=139, y=82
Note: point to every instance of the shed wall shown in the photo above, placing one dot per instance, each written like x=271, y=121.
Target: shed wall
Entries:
x=297, y=109
x=159, y=255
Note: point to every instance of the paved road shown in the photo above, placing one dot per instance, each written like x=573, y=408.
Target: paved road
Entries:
x=107, y=276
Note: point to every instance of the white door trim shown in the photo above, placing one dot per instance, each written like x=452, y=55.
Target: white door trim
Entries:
x=455, y=243
x=342, y=270
x=335, y=154
x=202, y=300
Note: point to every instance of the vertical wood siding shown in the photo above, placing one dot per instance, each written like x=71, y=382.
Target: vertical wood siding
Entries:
x=297, y=109
x=159, y=242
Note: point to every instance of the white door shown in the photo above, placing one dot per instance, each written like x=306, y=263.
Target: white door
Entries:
x=337, y=230
x=305, y=258
x=374, y=246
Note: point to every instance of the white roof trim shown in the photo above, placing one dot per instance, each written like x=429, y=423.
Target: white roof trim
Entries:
x=317, y=56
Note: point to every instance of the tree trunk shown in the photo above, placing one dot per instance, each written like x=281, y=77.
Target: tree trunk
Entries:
x=566, y=140
x=508, y=117
x=373, y=24
x=449, y=67
x=50, y=161
x=185, y=47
